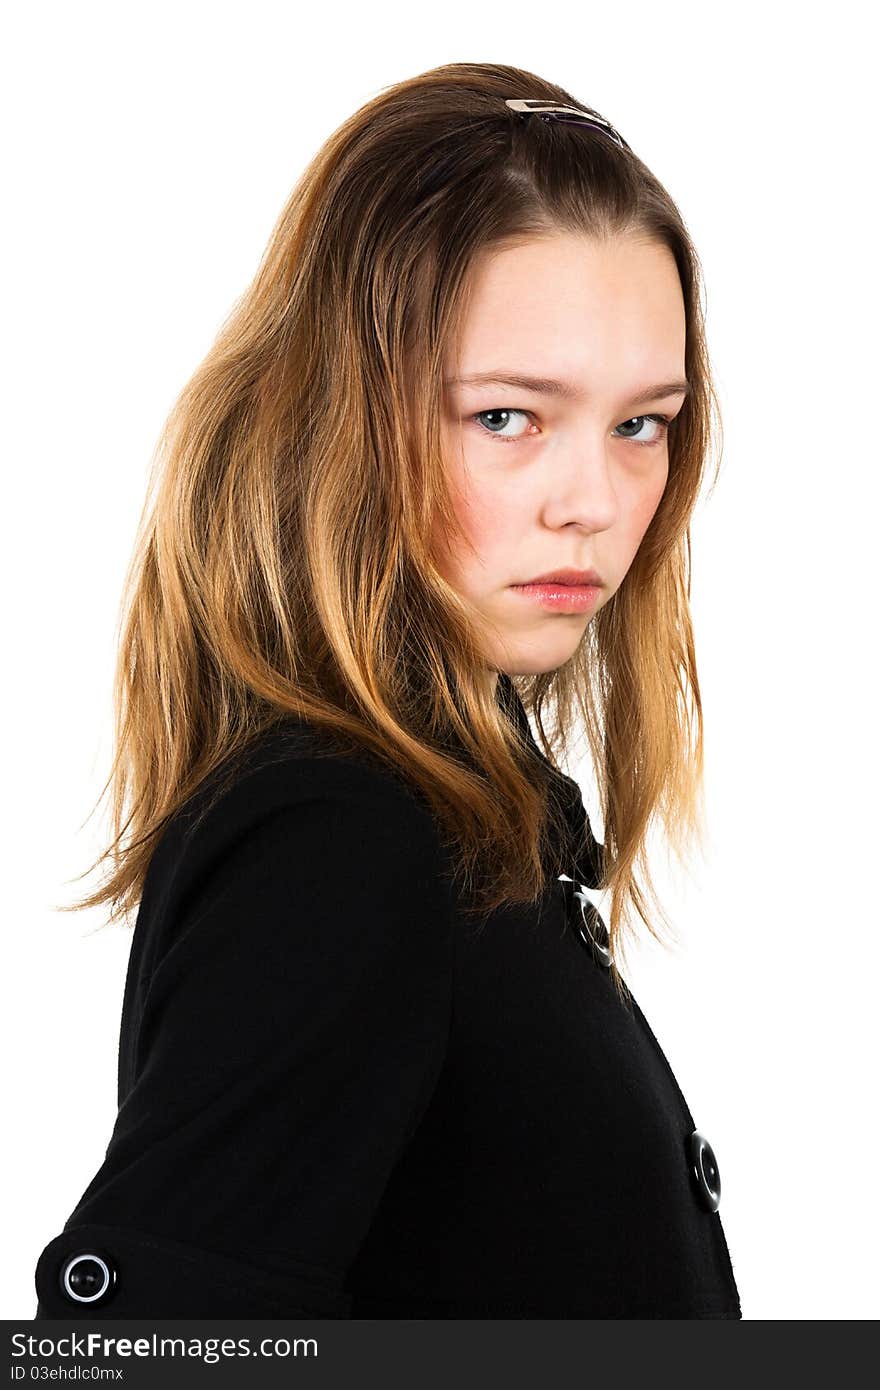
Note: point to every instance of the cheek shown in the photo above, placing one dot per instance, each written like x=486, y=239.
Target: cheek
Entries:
x=646, y=502
x=489, y=519
x=638, y=509
x=469, y=563
x=484, y=513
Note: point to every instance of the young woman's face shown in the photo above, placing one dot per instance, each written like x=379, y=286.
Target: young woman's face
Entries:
x=545, y=481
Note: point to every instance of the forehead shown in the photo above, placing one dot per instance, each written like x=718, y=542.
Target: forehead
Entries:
x=574, y=307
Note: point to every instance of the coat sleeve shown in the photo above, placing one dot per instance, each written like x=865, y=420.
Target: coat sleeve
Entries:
x=285, y=1042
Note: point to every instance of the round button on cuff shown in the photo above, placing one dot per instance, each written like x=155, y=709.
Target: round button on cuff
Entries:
x=704, y=1168
x=87, y=1277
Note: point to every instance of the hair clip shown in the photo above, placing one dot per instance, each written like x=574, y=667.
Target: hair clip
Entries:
x=565, y=115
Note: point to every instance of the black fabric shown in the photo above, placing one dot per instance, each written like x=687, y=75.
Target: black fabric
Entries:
x=336, y=1100
x=585, y=854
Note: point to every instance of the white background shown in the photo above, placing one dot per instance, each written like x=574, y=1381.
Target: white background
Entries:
x=148, y=150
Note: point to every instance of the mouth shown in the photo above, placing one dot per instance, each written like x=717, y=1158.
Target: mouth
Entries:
x=553, y=596
x=567, y=578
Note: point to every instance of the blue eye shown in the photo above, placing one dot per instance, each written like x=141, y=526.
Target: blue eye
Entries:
x=663, y=421
x=498, y=410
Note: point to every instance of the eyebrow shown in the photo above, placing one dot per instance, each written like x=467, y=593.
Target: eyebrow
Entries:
x=550, y=386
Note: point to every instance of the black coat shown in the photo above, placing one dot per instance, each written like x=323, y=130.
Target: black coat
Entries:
x=334, y=1101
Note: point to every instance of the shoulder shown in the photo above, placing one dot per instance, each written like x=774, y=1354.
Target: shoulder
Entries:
x=296, y=806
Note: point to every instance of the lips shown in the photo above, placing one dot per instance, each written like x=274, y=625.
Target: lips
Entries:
x=567, y=576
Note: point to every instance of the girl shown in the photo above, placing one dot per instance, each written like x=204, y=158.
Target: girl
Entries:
x=377, y=1054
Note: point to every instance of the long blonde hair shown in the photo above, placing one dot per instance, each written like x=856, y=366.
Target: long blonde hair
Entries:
x=283, y=562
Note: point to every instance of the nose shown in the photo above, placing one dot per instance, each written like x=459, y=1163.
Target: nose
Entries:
x=581, y=487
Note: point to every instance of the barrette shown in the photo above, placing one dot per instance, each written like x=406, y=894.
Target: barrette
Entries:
x=565, y=115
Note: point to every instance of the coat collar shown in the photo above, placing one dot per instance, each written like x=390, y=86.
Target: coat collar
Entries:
x=584, y=851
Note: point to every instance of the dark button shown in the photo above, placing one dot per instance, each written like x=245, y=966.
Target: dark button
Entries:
x=705, y=1170
x=590, y=927
x=87, y=1277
